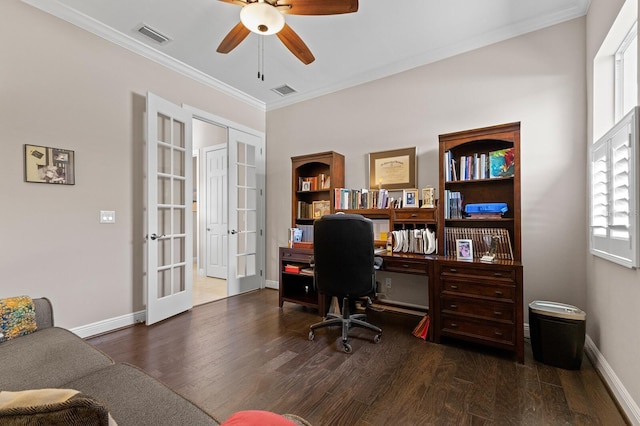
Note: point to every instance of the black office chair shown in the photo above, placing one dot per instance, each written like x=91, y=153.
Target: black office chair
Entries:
x=344, y=267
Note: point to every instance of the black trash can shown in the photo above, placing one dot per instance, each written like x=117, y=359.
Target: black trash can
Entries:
x=557, y=333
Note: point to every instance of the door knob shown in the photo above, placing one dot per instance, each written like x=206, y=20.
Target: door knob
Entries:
x=156, y=236
x=233, y=232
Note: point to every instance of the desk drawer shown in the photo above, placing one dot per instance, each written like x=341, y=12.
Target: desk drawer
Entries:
x=455, y=287
x=495, y=332
x=505, y=273
x=486, y=309
x=405, y=266
x=422, y=215
x=296, y=255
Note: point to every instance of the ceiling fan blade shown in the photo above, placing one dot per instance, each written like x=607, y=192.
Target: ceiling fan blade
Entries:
x=317, y=7
x=235, y=36
x=294, y=43
x=238, y=2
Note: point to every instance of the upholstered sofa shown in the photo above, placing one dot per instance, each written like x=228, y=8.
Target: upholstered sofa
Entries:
x=53, y=358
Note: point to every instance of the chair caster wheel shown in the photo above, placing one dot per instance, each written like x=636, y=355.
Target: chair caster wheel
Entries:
x=377, y=338
x=311, y=335
x=347, y=348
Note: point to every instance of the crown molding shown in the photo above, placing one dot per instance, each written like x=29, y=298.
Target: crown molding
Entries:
x=578, y=10
x=55, y=8
x=59, y=10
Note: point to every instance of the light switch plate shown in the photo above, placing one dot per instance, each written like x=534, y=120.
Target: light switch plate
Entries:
x=107, y=216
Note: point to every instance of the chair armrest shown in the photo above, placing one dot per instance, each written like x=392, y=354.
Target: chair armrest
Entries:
x=377, y=262
x=44, y=312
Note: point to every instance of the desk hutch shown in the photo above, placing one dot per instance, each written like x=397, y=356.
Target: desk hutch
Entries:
x=468, y=300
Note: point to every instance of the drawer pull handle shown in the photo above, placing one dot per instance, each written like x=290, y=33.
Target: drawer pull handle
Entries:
x=453, y=270
x=287, y=254
x=454, y=325
x=498, y=293
x=497, y=274
x=405, y=266
x=498, y=333
x=497, y=313
x=454, y=287
x=454, y=306
x=414, y=215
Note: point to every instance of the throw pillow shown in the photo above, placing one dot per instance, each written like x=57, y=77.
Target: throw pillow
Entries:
x=17, y=317
x=41, y=407
x=257, y=418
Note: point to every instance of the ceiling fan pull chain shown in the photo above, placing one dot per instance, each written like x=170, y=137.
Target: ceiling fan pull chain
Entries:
x=260, y=58
x=262, y=55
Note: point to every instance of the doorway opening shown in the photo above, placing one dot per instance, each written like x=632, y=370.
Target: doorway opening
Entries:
x=210, y=217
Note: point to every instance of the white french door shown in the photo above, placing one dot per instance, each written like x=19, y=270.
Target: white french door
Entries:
x=246, y=212
x=169, y=219
x=216, y=212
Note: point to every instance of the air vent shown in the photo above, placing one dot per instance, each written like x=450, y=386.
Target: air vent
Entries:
x=284, y=90
x=153, y=34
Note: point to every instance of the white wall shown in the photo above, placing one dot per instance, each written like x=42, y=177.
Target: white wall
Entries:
x=63, y=87
x=613, y=292
x=537, y=79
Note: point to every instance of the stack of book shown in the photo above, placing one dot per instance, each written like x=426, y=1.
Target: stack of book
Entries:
x=486, y=165
x=293, y=268
x=452, y=204
x=314, y=183
x=347, y=199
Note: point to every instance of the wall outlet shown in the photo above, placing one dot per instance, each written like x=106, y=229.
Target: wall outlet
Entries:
x=387, y=282
x=107, y=216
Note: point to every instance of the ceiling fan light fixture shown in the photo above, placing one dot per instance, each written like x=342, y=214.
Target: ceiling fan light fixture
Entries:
x=262, y=18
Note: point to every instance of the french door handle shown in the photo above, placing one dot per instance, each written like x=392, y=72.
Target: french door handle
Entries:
x=233, y=232
x=156, y=236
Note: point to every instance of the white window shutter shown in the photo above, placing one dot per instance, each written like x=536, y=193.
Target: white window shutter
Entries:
x=614, y=198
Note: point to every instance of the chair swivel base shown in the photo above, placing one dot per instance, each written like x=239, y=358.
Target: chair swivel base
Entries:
x=347, y=321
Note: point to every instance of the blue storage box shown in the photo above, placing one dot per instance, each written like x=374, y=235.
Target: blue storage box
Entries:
x=486, y=208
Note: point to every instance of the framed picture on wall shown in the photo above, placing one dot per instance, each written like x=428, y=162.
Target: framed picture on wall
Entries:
x=49, y=165
x=395, y=169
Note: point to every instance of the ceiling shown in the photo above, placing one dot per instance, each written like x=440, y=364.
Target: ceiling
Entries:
x=380, y=39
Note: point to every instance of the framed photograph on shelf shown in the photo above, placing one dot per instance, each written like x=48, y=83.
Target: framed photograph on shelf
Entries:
x=49, y=165
x=409, y=198
x=395, y=169
x=464, y=250
x=428, y=198
x=321, y=208
x=306, y=186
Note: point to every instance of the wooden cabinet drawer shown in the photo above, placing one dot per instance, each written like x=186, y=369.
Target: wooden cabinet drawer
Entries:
x=490, y=290
x=296, y=255
x=495, y=272
x=426, y=215
x=405, y=266
x=495, y=332
x=498, y=311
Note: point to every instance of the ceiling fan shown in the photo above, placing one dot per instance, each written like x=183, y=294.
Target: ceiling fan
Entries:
x=265, y=17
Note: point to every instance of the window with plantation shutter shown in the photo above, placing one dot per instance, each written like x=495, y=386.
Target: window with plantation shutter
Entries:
x=613, y=193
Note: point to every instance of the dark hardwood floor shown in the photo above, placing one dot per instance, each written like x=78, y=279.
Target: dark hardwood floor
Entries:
x=245, y=353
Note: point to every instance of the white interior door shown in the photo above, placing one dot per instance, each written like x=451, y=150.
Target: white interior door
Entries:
x=169, y=218
x=216, y=211
x=246, y=212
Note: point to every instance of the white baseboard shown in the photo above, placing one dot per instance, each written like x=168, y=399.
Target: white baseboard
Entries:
x=626, y=402
x=109, y=324
x=272, y=284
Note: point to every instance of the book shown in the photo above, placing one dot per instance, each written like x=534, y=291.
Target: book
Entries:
x=306, y=271
x=502, y=163
x=293, y=268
